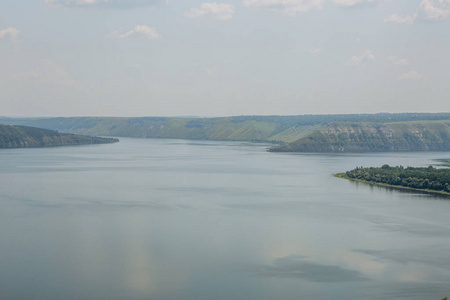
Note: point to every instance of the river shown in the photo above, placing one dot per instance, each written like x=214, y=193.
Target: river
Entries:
x=178, y=219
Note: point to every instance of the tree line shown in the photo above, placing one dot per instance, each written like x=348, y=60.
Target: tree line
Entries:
x=428, y=178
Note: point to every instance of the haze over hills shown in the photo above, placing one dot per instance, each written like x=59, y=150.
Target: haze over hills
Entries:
x=302, y=133
x=25, y=137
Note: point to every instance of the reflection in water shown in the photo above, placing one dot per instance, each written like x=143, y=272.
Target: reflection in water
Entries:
x=137, y=260
x=300, y=267
x=409, y=193
x=430, y=257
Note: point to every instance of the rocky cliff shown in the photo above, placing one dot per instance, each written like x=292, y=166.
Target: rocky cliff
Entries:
x=374, y=137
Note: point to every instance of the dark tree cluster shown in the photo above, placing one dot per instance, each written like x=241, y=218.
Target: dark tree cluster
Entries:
x=428, y=178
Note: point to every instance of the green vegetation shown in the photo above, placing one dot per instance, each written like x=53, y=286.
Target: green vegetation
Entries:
x=428, y=179
x=24, y=136
x=374, y=137
x=182, y=128
x=294, y=133
x=303, y=133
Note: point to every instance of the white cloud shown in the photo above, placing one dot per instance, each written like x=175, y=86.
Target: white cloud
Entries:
x=138, y=31
x=401, y=19
x=26, y=75
x=221, y=11
x=210, y=71
x=398, y=61
x=10, y=32
x=434, y=10
x=363, y=59
x=48, y=73
x=46, y=87
x=411, y=75
x=101, y=3
x=316, y=51
x=348, y=3
x=289, y=7
x=292, y=7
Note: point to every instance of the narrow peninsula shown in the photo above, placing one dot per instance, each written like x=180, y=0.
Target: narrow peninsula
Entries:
x=31, y=137
x=428, y=180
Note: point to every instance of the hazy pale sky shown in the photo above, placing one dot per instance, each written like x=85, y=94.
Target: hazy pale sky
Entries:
x=233, y=57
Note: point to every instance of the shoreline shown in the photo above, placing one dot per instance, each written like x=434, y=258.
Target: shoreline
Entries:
x=400, y=187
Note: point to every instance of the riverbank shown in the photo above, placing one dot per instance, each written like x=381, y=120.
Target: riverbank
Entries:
x=399, y=187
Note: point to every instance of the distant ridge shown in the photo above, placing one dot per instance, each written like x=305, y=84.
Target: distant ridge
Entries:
x=25, y=136
x=282, y=130
x=374, y=137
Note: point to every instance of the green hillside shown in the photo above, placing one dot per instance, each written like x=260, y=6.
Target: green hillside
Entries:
x=374, y=137
x=273, y=129
x=294, y=133
x=24, y=136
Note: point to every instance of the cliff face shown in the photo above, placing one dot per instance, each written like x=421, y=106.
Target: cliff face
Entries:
x=374, y=137
x=24, y=136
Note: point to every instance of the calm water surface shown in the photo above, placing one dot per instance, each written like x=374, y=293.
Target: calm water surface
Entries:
x=175, y=219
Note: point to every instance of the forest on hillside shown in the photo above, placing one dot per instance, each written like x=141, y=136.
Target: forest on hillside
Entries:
x=25, y=136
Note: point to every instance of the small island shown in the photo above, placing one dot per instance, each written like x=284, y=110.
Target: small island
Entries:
x=31, y=137
x=428, y=180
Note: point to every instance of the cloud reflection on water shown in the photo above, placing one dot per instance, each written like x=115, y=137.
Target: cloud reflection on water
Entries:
x=300, y=267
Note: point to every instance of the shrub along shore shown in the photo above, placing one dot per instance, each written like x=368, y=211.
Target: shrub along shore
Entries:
x=428, y=180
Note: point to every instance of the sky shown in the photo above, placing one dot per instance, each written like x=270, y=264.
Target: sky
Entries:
x=231, y=57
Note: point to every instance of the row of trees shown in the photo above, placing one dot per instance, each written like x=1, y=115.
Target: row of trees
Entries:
x=428, y=178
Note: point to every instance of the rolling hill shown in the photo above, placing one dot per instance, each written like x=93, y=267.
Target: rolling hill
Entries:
x=25, y=136
x=374, y=137
x=310, y=133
